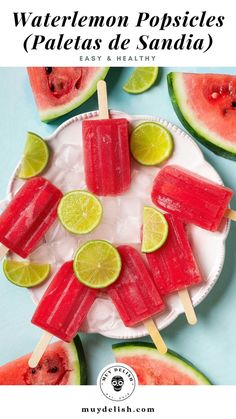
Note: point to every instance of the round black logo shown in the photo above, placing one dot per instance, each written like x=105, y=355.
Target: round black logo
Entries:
x=117, y=381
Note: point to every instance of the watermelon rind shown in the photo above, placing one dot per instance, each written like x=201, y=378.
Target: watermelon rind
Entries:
x=49, y=115
x=71, y=356
x=78, y=362
x=209, y=139
x=125, y=349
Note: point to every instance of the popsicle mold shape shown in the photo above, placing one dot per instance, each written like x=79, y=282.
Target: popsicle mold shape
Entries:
x=173, y=266
x=106, y=156
x=191, y=197
x=135, y=293
x=106, y=150
x=64, y=305
x=29, y=215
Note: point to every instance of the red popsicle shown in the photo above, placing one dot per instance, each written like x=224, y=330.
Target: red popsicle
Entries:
x=135, y=294
x=28, y=216
x=173, y=266
x=106, y=151
x=62, y=309
x=191, y=197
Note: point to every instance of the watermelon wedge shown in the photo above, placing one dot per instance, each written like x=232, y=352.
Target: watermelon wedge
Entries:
x=206, y=106
x=155, y=369
x=62, y=364
x=59, y=90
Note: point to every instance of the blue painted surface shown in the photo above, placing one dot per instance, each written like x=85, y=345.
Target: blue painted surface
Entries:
x=211, y=344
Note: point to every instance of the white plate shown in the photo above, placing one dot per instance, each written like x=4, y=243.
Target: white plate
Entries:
x=122, y=219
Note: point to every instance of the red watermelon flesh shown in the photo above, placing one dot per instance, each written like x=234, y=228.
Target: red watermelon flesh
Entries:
x=151, y=372
x=61, y=82
x=62, y=364
x=58, y=90
x=206, y=105
x=216, y=94
x=152, y=368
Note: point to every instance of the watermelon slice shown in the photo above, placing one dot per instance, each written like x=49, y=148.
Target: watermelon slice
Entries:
x=206, y=106
x=62, y=364
x=155, y=369
x=59, y=90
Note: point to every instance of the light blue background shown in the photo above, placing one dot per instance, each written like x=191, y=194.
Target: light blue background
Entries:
x=211, y=345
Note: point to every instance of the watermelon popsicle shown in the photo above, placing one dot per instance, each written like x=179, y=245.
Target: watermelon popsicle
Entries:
x=135, y=294
x=191, y=197
x=62, y=309
x=28, y=216
x=174, y=267
x=106, y=150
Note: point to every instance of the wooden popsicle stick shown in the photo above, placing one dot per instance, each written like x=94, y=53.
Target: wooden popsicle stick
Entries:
x=187, y=305
x=3, y=251
x=231, y=214
x=155, y=335
x=40, y=349
x=102, y=99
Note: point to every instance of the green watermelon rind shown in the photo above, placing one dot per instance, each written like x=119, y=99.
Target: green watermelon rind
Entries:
x=78, y=362
x=49, y=115
x=149, y=349
x=178, y=99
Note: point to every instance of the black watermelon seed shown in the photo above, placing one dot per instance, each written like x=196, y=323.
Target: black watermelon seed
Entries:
x=77, y=84
x=52, y=87
x=48, y=70
x=53, y=369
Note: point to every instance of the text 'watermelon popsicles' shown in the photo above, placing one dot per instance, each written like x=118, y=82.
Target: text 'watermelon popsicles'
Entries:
x=191, y=197
x=62, y=309
x=106, y=150
x=28, y=216
x=135, y=294
x=173, y=266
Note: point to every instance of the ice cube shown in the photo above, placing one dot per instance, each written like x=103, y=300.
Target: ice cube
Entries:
x=43, y=254
x=69, y=157
x=73, y=180
x=131, y=207
x=142, y=185
x=56, y=232
x=105, y=231
x=57, y=177
x=111, y=207
x=128, y=231
x=64, y=249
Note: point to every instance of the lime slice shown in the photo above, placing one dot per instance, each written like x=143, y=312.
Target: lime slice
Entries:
x=25, y=274
x=35, y=157
x=80, y=212
x=151, y=143
x=141, y=80
x=97, y=264
x=155, y=230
